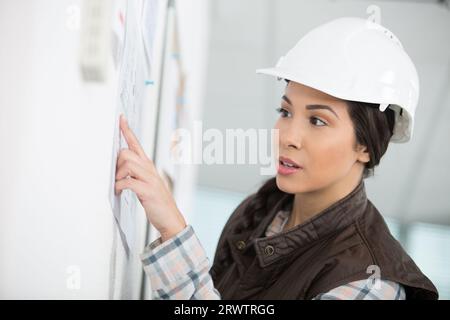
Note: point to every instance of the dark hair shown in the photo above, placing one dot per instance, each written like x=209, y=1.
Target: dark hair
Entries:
x=373, y=129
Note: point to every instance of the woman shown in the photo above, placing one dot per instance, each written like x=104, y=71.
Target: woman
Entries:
x=310, y=232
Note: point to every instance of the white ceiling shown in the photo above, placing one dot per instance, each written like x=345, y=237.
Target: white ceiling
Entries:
x=412, y=182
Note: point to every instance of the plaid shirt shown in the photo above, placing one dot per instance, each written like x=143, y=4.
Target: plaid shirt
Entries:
x=178, y=269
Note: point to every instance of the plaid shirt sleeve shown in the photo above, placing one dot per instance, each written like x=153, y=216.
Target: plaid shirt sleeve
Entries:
x=360, y=290
x=178, y=269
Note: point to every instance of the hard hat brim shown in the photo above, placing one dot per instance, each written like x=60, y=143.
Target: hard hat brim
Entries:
x=272, y=72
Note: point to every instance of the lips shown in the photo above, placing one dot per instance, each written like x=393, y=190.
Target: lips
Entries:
x=288, y=163
x=287, y=166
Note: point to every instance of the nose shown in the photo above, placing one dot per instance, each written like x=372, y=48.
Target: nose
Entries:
x=290, y=138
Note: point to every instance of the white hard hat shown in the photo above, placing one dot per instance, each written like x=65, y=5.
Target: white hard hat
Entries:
x=356, y=59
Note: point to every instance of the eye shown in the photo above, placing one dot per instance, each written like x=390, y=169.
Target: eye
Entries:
x=315, y=120
x=284, y=113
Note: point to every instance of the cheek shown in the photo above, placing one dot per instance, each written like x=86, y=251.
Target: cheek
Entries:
x=330, y=157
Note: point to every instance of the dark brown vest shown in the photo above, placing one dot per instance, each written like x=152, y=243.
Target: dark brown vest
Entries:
x=333, y=248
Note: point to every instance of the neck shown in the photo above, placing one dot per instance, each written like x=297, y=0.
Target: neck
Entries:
x=308, y=204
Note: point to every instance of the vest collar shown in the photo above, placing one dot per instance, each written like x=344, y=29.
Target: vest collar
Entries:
x=273, y=248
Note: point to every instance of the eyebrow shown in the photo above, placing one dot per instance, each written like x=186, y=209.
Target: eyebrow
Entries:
x=312, y=106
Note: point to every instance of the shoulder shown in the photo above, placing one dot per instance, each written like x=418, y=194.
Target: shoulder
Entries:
x=391, y=258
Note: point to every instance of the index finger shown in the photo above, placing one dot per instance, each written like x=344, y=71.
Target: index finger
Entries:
x=132, y=141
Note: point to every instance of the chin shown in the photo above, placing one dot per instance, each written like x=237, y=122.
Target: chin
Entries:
x=289, y=184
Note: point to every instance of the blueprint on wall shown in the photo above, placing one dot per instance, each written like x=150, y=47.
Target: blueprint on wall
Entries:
x=133, y=78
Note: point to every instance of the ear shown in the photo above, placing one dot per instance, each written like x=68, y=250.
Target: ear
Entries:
x=362, y=154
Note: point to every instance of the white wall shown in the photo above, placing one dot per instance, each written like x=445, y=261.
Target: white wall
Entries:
x=55, y=133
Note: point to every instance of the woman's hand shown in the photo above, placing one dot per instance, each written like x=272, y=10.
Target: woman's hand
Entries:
x=137, y=172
